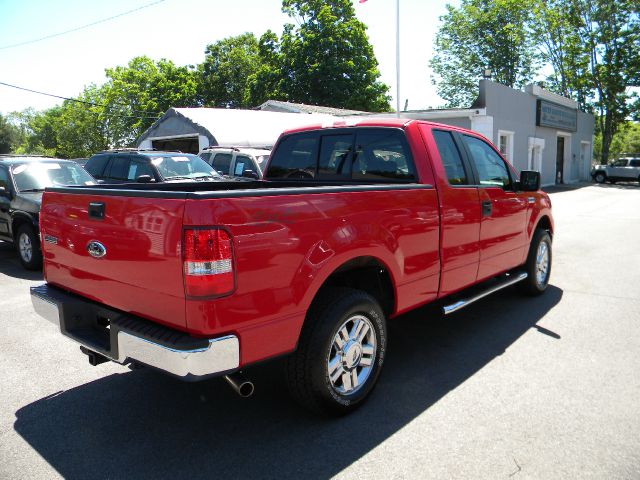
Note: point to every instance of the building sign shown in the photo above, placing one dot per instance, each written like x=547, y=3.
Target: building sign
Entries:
x=556, y=116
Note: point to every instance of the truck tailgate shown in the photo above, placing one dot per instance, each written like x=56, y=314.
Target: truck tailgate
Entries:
x=141, y=271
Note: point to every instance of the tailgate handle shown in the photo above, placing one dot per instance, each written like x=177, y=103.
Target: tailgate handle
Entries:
x=96, y=210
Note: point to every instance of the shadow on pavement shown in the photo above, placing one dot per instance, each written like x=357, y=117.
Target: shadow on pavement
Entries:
x=144, y=424
x=618, y=185
x=10, y=264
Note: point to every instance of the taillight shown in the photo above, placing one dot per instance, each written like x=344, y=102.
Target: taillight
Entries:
x=208, y=262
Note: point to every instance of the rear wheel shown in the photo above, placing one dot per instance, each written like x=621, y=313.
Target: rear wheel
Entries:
x=28, y=246
x=340, y=353
x=600, y=177
x=538, y=264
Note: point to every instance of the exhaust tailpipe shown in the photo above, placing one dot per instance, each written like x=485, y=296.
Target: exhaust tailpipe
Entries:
x=240, y=384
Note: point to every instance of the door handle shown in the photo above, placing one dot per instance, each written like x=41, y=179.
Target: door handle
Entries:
x=486, y=208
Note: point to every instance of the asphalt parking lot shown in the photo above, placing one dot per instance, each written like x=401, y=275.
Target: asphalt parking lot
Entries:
x=510, y=387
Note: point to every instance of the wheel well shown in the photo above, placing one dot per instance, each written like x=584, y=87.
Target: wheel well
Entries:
x=17, y=223
x=545, y=224
x=367, y=274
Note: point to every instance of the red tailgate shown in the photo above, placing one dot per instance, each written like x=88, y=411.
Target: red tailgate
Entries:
x=141, y=271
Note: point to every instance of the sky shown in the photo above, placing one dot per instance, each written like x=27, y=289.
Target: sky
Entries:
x=180, y=30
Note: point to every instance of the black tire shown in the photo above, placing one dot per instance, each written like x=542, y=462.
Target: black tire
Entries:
x=534, y=284
x=600, y=177
x=308, y=368
x=28, y=246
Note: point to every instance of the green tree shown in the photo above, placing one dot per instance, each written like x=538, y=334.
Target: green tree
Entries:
x=224, y=75
x=481, y=34
x=8, y=135
x=136, y=95
x=611, y=35
x=265, y=83
x=555, y=31
x=326, y=58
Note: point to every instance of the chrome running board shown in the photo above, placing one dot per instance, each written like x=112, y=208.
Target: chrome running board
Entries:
x=465, y=302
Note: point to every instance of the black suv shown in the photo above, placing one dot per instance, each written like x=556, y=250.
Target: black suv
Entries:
x=143, y=166
x=22, y=181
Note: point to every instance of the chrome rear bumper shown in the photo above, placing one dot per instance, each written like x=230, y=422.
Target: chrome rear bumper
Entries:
x=124, y=338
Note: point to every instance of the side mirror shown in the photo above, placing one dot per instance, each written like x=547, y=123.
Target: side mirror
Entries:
x=250, y=174
x=4, y=192
x=144, y=179
x=529, y=181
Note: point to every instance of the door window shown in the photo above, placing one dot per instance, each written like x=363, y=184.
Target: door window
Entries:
x=243, y=163
x=138, y=168
x=492, y=171
x=451, y=158
x=222, y=163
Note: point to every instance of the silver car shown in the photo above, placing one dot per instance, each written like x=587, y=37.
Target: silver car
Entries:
x=625, y=169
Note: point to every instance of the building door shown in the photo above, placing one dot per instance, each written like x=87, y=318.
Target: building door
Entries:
x=560, y=161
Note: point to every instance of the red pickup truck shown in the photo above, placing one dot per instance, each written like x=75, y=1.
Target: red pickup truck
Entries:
x=353, y=224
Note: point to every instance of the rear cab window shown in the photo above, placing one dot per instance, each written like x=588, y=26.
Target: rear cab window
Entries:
x=368, y=155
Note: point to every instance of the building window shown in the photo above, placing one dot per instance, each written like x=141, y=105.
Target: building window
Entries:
x=505, y=144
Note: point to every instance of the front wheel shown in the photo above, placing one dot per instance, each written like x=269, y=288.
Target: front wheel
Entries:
x=538, y=264
x=600, y=177
x=340, y=352
x=28, y=246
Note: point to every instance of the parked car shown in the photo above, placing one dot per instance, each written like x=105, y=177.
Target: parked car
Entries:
x=237, y=161
x=22, y=181
x=352, y=226
x=145, y=166
x=626, y=169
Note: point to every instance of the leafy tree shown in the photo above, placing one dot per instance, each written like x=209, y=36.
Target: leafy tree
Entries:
x=8, y=135
x=265, y=83
x=224, y=75
x=137, y=94
x=326, y=59
x=482, y=34
x=555, y=31
x=611, y=35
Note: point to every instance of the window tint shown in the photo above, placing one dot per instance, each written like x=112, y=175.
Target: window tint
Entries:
x=295, y=157
x=222, y=163
x=335, y=156
x=206, y=157
x=620, y=163
x=634, y=163
x=491, y=168
x=243, y=163
x=4, y=179
x=451, y=158
x=120, y=168
x=96, y=164
x=382, y=154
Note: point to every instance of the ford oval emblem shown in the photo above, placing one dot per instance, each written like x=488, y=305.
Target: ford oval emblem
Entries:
x=96, y=249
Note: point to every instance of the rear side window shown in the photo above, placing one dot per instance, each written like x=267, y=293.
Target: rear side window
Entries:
x=206, y=157
x=634, y=163
x=295, y=157
x=382, y=154
x=120, y=168
x=96, y=165
x=451, y=158
x=221, y=163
